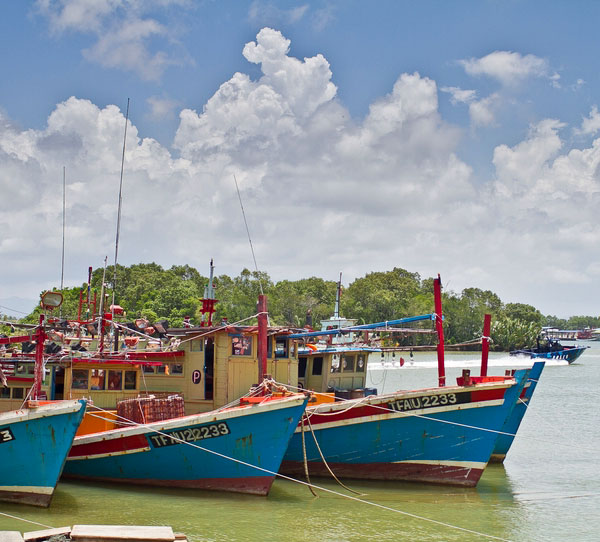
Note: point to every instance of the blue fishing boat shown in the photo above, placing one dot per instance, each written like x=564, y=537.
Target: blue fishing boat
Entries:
x=441, y=435
x=237, y=449
x=551, y=349
x=509, y=431
x=34, y=443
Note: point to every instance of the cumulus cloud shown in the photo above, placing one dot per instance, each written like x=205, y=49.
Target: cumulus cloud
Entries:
x=122, y=29
x=316, y=184
x=481, y=111
x=161, y=108
x=507, y=67
x=590, y=124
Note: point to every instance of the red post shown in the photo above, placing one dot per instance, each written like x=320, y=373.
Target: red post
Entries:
x=485, y=343
x=262, y=337
x=439, y=326
x=40, y=337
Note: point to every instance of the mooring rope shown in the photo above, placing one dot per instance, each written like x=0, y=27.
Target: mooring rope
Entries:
x=26, y=520
x=324, y=489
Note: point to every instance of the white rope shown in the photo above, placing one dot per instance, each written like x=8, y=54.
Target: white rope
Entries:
x=26, y=520
x=324, y=489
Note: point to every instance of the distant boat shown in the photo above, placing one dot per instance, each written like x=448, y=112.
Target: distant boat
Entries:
x=34, y=443
x=236, y=449
x=551, y=349
x=512, y=424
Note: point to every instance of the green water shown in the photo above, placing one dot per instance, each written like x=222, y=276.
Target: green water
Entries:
x=547, y=490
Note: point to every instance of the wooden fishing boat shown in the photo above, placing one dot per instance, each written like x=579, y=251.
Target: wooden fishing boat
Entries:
x=35, y=439
x=236, y=449
x=509, y=430
x=442, y=435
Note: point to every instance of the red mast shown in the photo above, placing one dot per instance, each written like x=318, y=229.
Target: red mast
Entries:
x=208, y=301
x=262, y=337
x=38, y=375
x=439, y=326
x=485, y=343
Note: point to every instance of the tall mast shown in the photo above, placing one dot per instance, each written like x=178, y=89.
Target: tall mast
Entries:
x=62, y=267
x=119, y=208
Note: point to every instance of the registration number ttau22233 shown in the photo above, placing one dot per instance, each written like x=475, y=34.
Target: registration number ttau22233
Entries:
x=191, y=434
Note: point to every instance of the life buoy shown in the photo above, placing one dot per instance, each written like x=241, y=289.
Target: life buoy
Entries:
x=311, y=347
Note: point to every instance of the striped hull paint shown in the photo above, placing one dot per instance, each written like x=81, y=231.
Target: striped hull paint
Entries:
x=512, y=424
x=34, y=443
x=439, y=435
x=568, y=354
x=239, y=449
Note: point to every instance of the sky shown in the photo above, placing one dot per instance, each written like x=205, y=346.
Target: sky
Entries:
x=459, y=138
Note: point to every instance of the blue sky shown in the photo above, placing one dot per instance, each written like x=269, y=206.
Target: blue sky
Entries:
x=441, y=137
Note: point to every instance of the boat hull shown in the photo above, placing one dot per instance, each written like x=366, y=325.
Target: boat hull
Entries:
x=440, y=435
x=34, y=443
x=238, y=449
x=509, y=431
x=568, y=354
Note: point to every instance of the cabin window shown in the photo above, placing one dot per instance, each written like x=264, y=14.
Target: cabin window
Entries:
x=360, y=364
x=176, y=368
x=162, y=370
x=335, y=364
x=130, y=380
x=17, y=393
x=348, y=364
x=197, y=345
x=5, y=393
x=148, y=368
x=269, y=347
x=317, y=366
x=115, y=380
x=241, y=346
x=302, y=367
x=25, y=369
x=281, y=348
x=98, y=379
x=80, y=379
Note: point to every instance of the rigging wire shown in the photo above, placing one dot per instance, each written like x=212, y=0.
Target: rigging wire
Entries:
x=248, y=232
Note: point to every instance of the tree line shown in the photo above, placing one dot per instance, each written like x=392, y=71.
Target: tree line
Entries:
x=151, y=292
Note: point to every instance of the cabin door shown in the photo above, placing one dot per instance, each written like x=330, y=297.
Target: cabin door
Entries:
x=209, y=364
x=57, y=391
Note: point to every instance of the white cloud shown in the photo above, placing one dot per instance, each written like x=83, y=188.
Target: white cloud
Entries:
x=507, y=67
x=122, y=30
x=316, y=185
x=268, y=13
x=590, y=124
x=482, y=112
x=161, y=108
x=459, y=95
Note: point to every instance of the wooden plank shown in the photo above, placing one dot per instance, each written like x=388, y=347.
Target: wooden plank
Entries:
x=121, y=533
x=11, y=536
x=45, y=534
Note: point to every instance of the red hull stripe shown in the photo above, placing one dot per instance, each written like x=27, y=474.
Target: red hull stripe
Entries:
x=111, y=446
x=255, y=485
x=414, y=472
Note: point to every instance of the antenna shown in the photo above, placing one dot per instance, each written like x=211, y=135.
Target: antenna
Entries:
x=62, y=268
x=248, y=232
x=120, y=203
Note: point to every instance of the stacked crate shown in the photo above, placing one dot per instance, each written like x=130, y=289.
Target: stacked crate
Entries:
x=152, y=408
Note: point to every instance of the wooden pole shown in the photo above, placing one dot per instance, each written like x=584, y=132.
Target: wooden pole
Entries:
x=262, y=337
x=39, y=359
x=439, y=326
x=485, y=343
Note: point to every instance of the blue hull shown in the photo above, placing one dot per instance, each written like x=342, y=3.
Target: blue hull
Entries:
x=568, y=354
x=448, y=441
x=34, y=444
x=511, y=426
x=238, y=449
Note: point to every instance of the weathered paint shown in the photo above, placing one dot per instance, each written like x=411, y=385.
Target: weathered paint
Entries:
x=449, y=444
x=257, y=434
x=31, y=462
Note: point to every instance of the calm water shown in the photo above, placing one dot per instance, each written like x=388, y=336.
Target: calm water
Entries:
x=547, y=490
